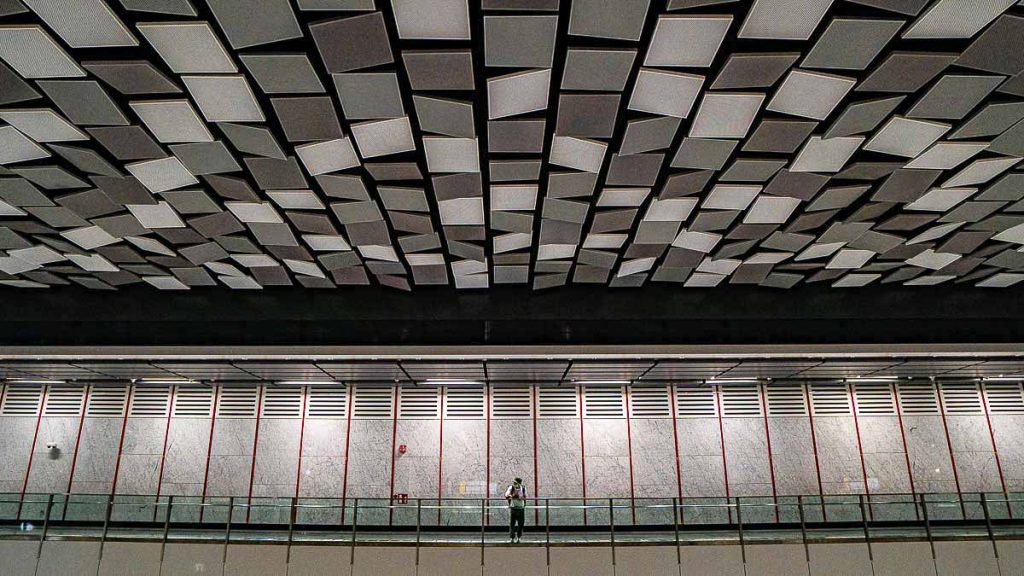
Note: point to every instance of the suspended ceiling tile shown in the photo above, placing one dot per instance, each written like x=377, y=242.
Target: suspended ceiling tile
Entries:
x=188, y=47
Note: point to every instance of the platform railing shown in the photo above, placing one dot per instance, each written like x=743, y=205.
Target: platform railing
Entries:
x=482, y=522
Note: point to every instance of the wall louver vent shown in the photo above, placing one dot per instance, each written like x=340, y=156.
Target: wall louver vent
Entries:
x=107, y=401
x=22, y=401
x=830, y=400
x=150, y=401
x=741, y=401
x=785, y=400
x=696, y=403
x=512, y=403
x=874, y=399
x=650, y=402
x=419, y=403
x=465, y=403
x=64, y=401
x=326, y=402
x=557, y=402
x=237, y=402
x=281, y=402
x=372, y=403
x=604, y=402
x=192, y=402
x=961, y=398
x=918, y=398
x=1004, y=397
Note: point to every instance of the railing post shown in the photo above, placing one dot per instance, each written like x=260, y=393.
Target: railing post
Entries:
x=867, y=533
x=743, y=544
x=419, y=510
x=292, y=511
x=803, y=531
x=928, y=532
x=483, y=527
x=46, y=527
x=988, y=527
x=355, y=523
x=547, y=531
x=675, y=524
x=167, y=529
x=611, y=528
x=106, y=525
x=227, y=533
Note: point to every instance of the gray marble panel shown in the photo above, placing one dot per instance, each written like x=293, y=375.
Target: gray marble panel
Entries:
x=838, y=455
x=16, y=434
x=97, y=455
x=654, y=459
x=969, y=433
x=144, y=436
x=885, y=460
x=323, y=438
x=699, y=437
x=977, y=472
x=929, y=453
x=793, y=455
x=229, y=475
x=138, y=474
x=607, y=466
x=51, y=469
x=369, y=466
x=746, y=457
x=417, y=470
x=464, y=459
x=560, y=467
x=511, y=454
x=701, y=464
x=277, y=456
x=188, y=440
x=233, y=437
x=1008, y=430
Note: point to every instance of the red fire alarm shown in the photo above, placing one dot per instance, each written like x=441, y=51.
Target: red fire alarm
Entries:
x=401, y=448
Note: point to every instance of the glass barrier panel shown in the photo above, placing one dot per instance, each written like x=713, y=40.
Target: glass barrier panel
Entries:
x=10, y=502
x=946, y=506
x=275, y=511
x=843, y=507
x=705, y=511
x=318, y=512
x=33, y=507
x=789, y=510
x=998, y=505
x=971, y=506
x=758, y=510
x=86, y=508
x=374, y=512
x=562, y=512
x=892, y=508
x=814, y=509
x=184, y=510
x=654, y=511
x=132, y=508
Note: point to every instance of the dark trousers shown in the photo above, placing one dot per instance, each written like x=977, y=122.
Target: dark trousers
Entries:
x=516, y=517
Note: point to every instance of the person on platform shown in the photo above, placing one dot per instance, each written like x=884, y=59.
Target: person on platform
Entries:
x=515, y=495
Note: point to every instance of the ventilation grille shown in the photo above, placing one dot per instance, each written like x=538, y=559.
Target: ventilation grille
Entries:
x=604, y=402
x=150, y=401
x=326, y=402
x=22, y=401
x=788, y=400
x=192, y=402
x=237, y=402
x=962, y=398
x=419, y=402
x=918, y=399
x=373, y=403
x=63, y=401
x=464, y=403
x=107, y=401
x=510, y=403
x=696, y=403
x=830, y=400
x=557, y=403
x=874, y=399
x=281, y=402
x=741, y=401
x=647, y=402
x=1004, y=397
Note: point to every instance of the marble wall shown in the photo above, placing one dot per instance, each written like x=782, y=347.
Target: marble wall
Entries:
x=562, y=457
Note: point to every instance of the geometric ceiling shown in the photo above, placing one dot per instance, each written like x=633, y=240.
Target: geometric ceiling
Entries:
x=245, y=144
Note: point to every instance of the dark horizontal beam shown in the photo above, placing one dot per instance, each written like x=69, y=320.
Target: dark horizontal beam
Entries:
x=569, y=316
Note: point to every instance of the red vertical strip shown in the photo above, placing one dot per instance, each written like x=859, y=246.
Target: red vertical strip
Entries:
x=906, y=450
x=850, y=390
x=348, y=442
x=78, y=441
x=814, y=445
x=120, y=443
x=995, y=449
x=949, y=446
x=209, y=449
x=768, y=442
x=255, y=445
x=163, y=453
x=487, y=449
x=675, y=442
x=302, y=433
x=583, y=453
x=35, y=437
x=721, y=438
x=440, y=451
x=394, y=434
x=534, y=391
x=629, y=449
